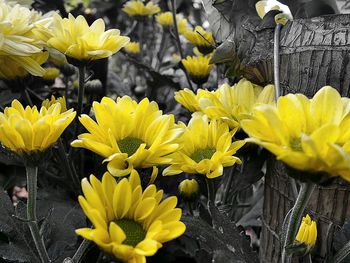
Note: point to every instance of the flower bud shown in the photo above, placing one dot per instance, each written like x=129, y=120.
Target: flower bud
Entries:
x=307, y=233
x=188, y=189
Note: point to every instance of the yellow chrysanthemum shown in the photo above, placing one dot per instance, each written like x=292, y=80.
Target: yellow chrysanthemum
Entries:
x=129, y=134
x=190, y=100
x=307, y=233
x=129, y=223
x=310, y=135
x=133, y=48
x=165, y=19
x=198, y=68
x=236, y=103
x=47, y=103
x=29, y=130
x=77, y=40
x=23, y=36
x=138, y=8
x=12, y=67
x=207, y=147
x=200, y=38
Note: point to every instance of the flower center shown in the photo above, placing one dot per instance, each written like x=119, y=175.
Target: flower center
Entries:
x=202, y=154
x=295, y=144
x=129, y=145
x=133, y=231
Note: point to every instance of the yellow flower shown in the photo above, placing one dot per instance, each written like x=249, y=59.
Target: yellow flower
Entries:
x=138, y=8
x=29, y=130
x=12, y=67
x=263, y=7
x=200, y=38
x=307, y=233
x=61, y=100
x=51, y=73
x=236, y=103
x=132, y=48
x=77, y=40
x=198, y=68
x=190, y=100
x=165, y=19
x=311, y=135
x=207, y=147
x=129, y=134
x=129, y=223
x=188, y=188
x=23, y=35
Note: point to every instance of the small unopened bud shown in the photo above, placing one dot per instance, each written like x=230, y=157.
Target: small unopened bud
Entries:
x=93, y=86
x=307, y=233
x=189, y=189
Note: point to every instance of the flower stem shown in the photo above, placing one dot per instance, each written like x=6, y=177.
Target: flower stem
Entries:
x=81, y=91
x=211, y=190
x=276, y=61
x=177, y=38
x=295, y=217
x=32, y=174
x=79, y=253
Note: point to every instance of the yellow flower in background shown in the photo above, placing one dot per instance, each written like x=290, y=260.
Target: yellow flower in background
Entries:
x=133, y=48
x=12, y=67
x=311, y=135
x=47, y=103
x=77, y=40
x=29, y=130
x=51, y=73
x=307, y=233
x=236, y=103
x=138, y=8
x=188, y=189
x=165, y=19
x=129, y=135
x=263, y=7
x=23, y=36
x=190, y=100
x=207, y=147
x=129, y=223
x=200, y=38
x=198, y=68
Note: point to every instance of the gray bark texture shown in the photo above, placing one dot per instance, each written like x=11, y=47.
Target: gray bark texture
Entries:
x=314, y=53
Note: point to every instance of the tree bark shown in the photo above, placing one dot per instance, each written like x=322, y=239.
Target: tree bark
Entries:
x=314, y=53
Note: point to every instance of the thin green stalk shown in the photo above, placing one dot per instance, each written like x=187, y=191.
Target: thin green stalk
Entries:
x=211, y=190
x=276, y=60
x=140, y=35
x=67, y=165
x=304, y=195
x=177, y=38
x=79, y=253
x=32, y=174
x=342, y=254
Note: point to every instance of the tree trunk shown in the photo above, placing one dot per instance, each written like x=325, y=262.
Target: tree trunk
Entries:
x=314, y=53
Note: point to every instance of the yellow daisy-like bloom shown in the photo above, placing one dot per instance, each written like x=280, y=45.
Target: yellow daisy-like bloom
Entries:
x=207, y=147
x=12, y=67
x=129, y=223
x=138, y=8
x=236, y=103
x=198, y=68
x=23, y=36
x=307, y=233
x=29, y=130
x=165, y=19
x=133, y=48
x=190, y=100
x=200, y=38
x=47, y=103
x=79, y=41
x=129, y=134
x=310, y=135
